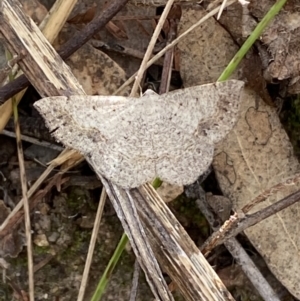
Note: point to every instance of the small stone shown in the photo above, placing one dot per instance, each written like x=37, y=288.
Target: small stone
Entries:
x=53, y=237
x=41, y=240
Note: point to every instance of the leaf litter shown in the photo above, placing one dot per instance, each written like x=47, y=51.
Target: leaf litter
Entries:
x=190, y=70
x=257, y=154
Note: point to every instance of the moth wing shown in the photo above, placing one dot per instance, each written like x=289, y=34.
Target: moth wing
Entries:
x=150, y=144
x=228, y=95
x=186, y=108
x=186, y=160
x=79, y=121
x=190, y=106
x=131, y=140
x=122, y=163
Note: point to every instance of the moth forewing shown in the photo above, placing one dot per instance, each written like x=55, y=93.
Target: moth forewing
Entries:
x=130, y=140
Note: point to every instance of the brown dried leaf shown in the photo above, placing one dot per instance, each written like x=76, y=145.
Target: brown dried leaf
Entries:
x=206, y=51
x=84, y=16
x=117, y=30
x=256, y=155
x=96, y=71
x=282, y=39
x=169, y=192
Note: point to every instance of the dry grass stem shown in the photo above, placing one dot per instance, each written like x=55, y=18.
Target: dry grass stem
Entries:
x=25, y=202
x=93, y=241
x=150, y=48
x=50, y=27
x=33, y=140
x=271, y=191
x=237, y=251
x=221, y=9
x=172, y=44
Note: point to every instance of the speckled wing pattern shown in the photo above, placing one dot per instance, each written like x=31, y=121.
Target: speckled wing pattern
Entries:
x=130, y=141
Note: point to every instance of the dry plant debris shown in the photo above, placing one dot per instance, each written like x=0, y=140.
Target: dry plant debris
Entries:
x=131, y=141
x=256, y=155
x=281, y=40
x=199, y=71
x=96, y=71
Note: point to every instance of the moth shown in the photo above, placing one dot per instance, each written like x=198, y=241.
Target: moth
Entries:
x=130, y=141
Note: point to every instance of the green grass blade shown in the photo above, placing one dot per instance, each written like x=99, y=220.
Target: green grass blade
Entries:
x=274, y=10
x=109, y=269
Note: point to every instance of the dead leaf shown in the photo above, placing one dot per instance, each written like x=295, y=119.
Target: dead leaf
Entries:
x=97, y=73
x=169, y=192
x=85, y=16
x=198, y=54
x=282, y=39
x=256, y=155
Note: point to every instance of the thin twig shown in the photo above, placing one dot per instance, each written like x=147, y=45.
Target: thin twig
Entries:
x=171, y=45
x=26, y=205
x=150, y=48
x=240, y=222
x=33, y=140
x=69, y=47
x=168, y=60
x=135, y=281
x=89, y=257
x=236, y=250
x=42, y=263
x=251, y=270
x=119, y=47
